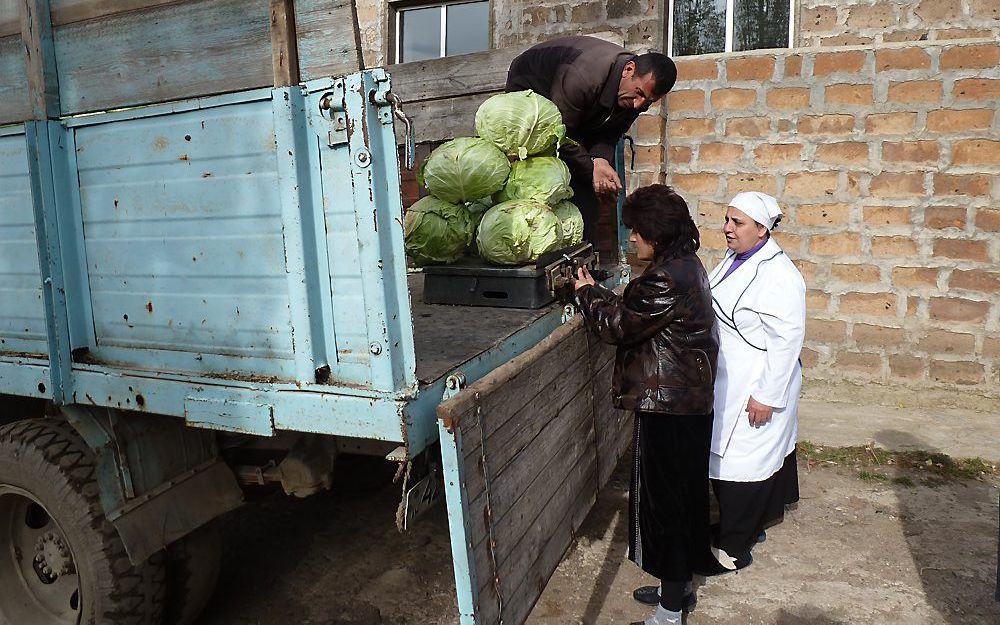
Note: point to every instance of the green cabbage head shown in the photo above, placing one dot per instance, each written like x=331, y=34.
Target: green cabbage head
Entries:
x=543, y=179
x=571, y=222
x=478, y=208
x=437, y=232
x=518, y=232
x=464, y=169
x=521, y=123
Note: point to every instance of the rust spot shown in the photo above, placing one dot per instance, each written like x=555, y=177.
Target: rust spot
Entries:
x=149, y=307
x=187, y=137
x=183, y=157
x=116, y=202
x=160, y=143
x=140, y=400
x=125, y=317
x=206, y=174
x=41, y=387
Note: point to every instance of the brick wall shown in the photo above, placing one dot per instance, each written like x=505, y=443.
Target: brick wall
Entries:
x=860, y=22
x=886, y=161
x=637, y=23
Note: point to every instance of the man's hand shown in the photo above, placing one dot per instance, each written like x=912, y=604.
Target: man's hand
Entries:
x=760, y=414
x=583, y=278
x=606, y=180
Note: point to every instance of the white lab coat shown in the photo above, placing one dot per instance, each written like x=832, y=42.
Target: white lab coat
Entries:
x=761, y=303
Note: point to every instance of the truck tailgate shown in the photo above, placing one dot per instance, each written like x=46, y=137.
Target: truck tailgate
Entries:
x=525, y=451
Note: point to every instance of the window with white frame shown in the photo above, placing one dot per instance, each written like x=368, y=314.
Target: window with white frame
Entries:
x=707, y=26
x=430, y=31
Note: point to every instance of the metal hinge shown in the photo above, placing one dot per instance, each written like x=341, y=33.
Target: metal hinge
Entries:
x=333, y=109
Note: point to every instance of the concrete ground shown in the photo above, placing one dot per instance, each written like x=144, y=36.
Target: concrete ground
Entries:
x=855, y=550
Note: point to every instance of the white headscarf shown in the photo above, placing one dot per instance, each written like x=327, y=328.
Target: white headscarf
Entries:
x=760, y=207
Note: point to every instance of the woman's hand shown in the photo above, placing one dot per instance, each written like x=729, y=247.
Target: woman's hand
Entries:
x=760, y=414
x=583, y=278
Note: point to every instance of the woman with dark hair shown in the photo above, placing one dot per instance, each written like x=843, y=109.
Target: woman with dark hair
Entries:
x=665, y=332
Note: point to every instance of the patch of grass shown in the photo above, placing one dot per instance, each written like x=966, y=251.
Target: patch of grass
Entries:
x=903, y=480
x=933, y=466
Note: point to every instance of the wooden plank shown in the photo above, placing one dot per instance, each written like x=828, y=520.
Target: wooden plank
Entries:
x=284, y=48
x=40, y=60
x=13, y=81
x=166, y=53
x=329, y=43
x=453, y=76
x=10, y=20
x=443, y=120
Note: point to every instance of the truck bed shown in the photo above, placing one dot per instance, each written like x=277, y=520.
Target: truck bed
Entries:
x=446, y=336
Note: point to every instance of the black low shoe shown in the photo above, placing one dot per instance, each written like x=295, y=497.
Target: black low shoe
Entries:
x=650, y=595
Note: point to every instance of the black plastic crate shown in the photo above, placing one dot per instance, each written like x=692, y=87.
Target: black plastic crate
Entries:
x=471, y=282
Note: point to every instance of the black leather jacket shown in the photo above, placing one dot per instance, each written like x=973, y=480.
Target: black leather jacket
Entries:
x=664, y=327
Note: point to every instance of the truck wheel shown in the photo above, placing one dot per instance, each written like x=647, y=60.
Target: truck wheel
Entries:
x=61, y=560
x=192, y=571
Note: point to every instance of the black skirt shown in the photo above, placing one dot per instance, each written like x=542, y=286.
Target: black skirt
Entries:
x=747, y=508
x=669, y=534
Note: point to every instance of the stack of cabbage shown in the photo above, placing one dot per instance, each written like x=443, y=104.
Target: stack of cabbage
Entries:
x=514, y=213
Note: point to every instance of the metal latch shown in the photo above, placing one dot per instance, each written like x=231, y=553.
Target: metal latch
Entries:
x=391, y=106
x=333, y=108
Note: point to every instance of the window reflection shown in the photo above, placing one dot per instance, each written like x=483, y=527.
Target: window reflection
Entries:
x=699, y=26
x=760, y=24
x=420, y=34
x=468, y=28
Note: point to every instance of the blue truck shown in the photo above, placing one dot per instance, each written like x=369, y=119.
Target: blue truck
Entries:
x=203, y=289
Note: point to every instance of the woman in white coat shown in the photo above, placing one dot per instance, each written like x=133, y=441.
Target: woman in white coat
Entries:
x=759, y=301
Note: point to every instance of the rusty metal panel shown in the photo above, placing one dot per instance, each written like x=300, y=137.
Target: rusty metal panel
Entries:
x=22, y=313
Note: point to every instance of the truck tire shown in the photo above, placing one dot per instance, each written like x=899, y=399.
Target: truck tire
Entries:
x=61, y=560
x=193, y=564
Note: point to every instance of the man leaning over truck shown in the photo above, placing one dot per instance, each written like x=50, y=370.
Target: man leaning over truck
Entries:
x=600, y=89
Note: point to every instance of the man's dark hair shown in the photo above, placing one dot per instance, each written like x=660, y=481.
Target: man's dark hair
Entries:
x=663, y=69
x=662, y=218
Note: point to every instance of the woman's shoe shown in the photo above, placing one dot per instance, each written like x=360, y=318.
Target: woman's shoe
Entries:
x=650, y=595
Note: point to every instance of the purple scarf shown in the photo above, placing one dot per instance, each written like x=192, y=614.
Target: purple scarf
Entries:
x=743, y=256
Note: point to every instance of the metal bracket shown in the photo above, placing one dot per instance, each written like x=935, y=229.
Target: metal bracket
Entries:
x=389, y=105
x=453, y=385
x=569, y=311
x=333, y=108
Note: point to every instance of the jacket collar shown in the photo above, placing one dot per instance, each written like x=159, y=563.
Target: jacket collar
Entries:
x=609, y=94
x=768, y=251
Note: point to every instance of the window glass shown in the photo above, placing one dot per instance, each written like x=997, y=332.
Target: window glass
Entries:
x=468, y=28
x=420, y=34
x=699, y=26
x=759, y=24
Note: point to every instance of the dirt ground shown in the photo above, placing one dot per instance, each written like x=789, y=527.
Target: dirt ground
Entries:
x=854, y=551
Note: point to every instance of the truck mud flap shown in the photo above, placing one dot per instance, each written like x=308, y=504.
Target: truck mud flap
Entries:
x=525, y=451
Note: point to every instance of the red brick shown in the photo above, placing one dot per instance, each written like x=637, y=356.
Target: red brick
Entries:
x=897, y=185
x=747, y=126
x=877, y=336
x=690, y=127
x=985, y=56
x=823, y=215
x=987, y=89
x=890, y=123
x=807, y=269
x=958, y=309
x=962, y=249
x=693, y=69
x=914, y=91
x=679, y=154
x=856, y=274
x=842, y=244
x=963, y=33
x=793, y=66
x=952, y=184
x=985, y=9
x=849, y=95
x=894, y=247
x=790, y=243
x=715, y=153
x=696, y=183
x=686, y=100
x=753, y=68
x=649, y=129
x=897, y=36
x=957, y=372
x=810, y=358
x=861, y=363
x=730, y=99
x=649, y=155
x=813, y=184
x=937, y=11
x=830, y=62
x=904, y=366
x=752, y=182
x=819, y=18
x=926, y=152
x=977, y=152
x=817, y=301
x=826, y=124
x=975, y=280
x=939, y=217
x=846, y=153
x=713, y=239
x=915, y=277
x=771, y=154
x=905, y=58
x=823, y=331
x=876, y=304
x=959, y=120
x=944, y=342
x=988, y=220
x=991, y=347
x=878, y=16
x=796, y=98
x=887, y=216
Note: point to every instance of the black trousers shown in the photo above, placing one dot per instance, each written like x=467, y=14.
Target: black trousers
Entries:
x=669, y=535
x=747, y=508
x=590, y=208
